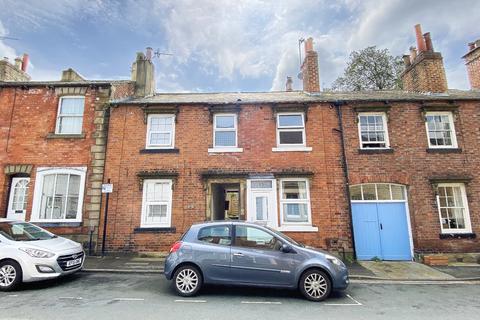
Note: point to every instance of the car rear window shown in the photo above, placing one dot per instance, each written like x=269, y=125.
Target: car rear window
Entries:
x=216, y=235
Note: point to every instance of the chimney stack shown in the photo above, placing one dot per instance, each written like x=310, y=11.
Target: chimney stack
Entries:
x=472, y=61
x=288, y=85
x=14, y=72
x=425, y=71
x=143, y=73
x=309, y=69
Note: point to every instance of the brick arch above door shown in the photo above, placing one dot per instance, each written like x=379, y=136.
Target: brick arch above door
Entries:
x=16, y=169
x=360, y=178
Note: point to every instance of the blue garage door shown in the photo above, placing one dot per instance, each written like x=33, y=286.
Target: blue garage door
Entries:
x=380, y=223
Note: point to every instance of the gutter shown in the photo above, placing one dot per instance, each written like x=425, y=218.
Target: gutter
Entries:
x=337, y=104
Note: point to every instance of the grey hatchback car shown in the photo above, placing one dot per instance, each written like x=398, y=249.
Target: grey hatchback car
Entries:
x=241, y=253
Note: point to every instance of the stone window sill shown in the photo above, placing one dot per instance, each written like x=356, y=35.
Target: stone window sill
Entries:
x=297, y=228
x=57, y=224
x=458, y=235
x=53, y=135
x=224, y=150
x=444, y=150
x=292, y=149
x=375, y=151
x=150, y=151
x=155, y=230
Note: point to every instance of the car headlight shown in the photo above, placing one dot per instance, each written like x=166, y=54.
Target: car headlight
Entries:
x=334, y=260
x=36, y=253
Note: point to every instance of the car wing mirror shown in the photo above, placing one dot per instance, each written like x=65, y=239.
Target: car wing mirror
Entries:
x=286, y=248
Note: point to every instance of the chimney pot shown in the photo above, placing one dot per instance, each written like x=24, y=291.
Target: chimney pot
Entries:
x=25, y=62
x=428, y=41
x=420, y=40
x=413, y=54
x=289, y=84
x=309, y=45
x=18, y=63
x=149, y=52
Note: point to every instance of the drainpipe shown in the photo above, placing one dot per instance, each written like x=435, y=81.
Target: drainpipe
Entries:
x=337, y=104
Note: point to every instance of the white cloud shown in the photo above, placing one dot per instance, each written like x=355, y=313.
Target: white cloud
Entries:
x=252, y=39
x=5, y=49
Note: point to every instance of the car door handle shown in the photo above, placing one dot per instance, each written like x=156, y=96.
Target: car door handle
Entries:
x=238, y=254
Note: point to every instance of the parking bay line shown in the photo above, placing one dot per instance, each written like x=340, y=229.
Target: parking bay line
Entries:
x=70, y=298
x=190, y=301
x=261, y=302
x=357, y=303
x=128, y=299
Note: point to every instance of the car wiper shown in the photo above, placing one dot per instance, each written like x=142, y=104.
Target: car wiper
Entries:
x=32, y=239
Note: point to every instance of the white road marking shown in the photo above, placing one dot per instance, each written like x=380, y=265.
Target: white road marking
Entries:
x=138, y=263
x=416, y=282
x=346, y=304
x=261, y=302
x=190, y=301
x=12, y=295
x=71, y=298
x=128, y=299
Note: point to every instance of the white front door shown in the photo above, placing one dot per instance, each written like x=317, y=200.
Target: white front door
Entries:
x=17, y=202
x=262, y=201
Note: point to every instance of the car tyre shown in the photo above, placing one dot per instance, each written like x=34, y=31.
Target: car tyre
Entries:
x=315, y=285
x=10, y=275
x=187, y=281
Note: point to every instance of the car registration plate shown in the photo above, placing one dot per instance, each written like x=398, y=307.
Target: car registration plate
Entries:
x=74, y=262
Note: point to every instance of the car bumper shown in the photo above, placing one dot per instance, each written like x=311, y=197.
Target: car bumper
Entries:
x=342, y=280
x=37, y=269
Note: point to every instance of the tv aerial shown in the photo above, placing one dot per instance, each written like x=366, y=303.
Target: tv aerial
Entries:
x=157, y=53
x=8, y=38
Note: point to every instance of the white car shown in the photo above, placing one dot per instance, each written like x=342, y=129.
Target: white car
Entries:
x=29, y=253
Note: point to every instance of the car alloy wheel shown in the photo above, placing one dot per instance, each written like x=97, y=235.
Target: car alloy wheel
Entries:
x=10, y=274
x=188, y=281
x=315, y=285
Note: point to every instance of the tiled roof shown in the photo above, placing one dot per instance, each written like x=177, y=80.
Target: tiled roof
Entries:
x=61, y=83
x=298, y=97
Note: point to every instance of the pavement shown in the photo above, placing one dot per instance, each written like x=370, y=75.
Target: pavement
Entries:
x=149, y=296
x=361, y=270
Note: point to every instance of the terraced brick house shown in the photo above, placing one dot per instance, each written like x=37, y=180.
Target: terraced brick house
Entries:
x=384, y=174
x=52, y=140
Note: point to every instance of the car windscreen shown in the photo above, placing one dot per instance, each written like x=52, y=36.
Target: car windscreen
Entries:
x=23, y=231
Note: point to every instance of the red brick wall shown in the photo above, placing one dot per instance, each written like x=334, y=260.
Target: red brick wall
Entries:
x=26, y=117
x=473, y=68
x=193, y=137
x=411, y=165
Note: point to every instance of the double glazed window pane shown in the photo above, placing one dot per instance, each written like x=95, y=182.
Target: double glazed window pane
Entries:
x=157, y=202
x=439, y=130
x=225, y=139
x=225, y=131
x=60, y=196
x=372, y=131
x=215, y=235
x=290, y=129
x=20, y=190
x=161, y=130
x=452, y=208
x=290, y=121
x=70, y=116
x=295, y=212
x=377, y=192
x=294, y=190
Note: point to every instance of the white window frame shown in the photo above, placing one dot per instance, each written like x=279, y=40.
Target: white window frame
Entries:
x=452, y=128
x=282, y=147
x=171, y=145
x=37, y=195
x=385, y=130
x=296, y=226
x=468, y=226
x=57, y=124
x=220, y=149
x=404, y=192
x=143, y=222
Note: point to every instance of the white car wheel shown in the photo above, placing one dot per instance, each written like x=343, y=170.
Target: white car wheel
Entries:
x=10, y=275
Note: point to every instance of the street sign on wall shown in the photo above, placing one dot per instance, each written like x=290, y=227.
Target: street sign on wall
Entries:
x=107, y=188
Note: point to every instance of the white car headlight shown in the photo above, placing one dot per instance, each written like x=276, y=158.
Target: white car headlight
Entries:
x=36, y=253
x=334, y=260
